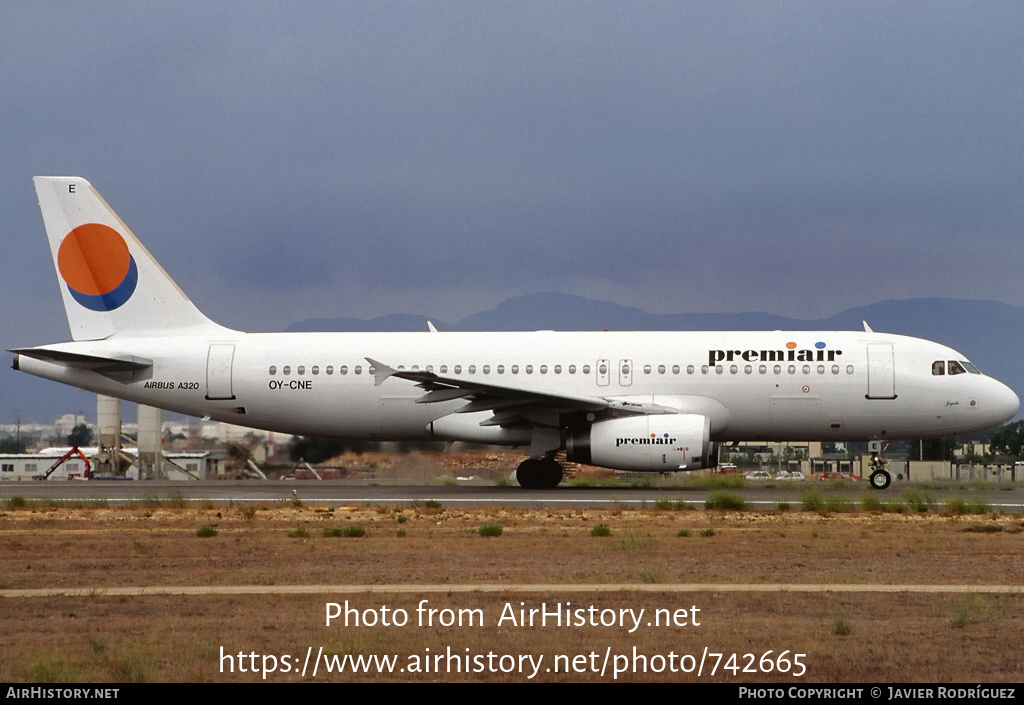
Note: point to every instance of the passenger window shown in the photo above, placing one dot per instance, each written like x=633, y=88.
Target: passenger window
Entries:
x=487, y=369
x=515, y=369
x=444, y=369
x=343, y=370
x=703, y=369
x=301, y=370
x=762, y=369
x=821, y=369
x=572, y=369
x=791, y=369
x=359, y=370
x=647, y=369
x=849, y=369
x=472, y=369
x=430, y=368
x=835, y=369
x=807, y=369
x=955, y=368
x=330, y=369
x=287, y=370
x=675, y=369
x=689, y=369
x=586, y=369
x=603, y=369
x=747, y=369
x=558, y=369
x=718, y=369
x=777, y=369
x=733, y=369
x=501, y=369
x=661, y=369
x=457, y=369
x=273, y=369
x=938, y=368
x=316, y=369
x=529, y=369
x=543, y=369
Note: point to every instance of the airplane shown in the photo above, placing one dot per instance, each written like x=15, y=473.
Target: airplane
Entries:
x=640, y=401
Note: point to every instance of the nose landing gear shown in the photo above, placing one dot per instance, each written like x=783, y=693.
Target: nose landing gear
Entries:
x=880, y=477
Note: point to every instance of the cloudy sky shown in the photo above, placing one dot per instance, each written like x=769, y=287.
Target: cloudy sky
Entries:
x=287, y=160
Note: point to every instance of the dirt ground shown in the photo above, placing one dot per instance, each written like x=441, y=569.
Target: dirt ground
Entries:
x=947, y=636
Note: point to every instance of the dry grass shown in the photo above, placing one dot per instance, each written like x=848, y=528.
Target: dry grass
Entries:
x=847, y=637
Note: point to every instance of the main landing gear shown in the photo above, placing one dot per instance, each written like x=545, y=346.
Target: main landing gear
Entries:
x=880, y=478
x=539, y=473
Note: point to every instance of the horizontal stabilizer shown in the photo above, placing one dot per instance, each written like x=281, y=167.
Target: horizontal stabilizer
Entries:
x=123, y=368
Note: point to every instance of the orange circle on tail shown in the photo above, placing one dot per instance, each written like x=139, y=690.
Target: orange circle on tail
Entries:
x=93, y=259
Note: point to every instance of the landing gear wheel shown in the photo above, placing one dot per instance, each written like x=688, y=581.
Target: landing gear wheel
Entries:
x=539, y=473
x=880, y=479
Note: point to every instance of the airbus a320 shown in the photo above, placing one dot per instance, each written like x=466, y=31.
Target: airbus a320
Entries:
x=640, y=401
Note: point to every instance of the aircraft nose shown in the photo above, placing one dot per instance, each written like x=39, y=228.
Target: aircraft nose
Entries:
x=1005, y=403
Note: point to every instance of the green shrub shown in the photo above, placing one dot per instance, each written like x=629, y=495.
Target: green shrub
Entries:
x=490, y=530
x=724, y=500
x=206, y=531
x=840, y=622
x=870, y=503
x=601, y=530
x=684, y=533
x=811, y=501
x=354, y=531
x=918, y=500
x=299, y=533
x=332, y=532
x=707, y=532
x=834, y=503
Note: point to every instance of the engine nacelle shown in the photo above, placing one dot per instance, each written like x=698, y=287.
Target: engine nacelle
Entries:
x=655, y=443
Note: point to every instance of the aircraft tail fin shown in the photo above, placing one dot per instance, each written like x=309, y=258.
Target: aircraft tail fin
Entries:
x=111, y=285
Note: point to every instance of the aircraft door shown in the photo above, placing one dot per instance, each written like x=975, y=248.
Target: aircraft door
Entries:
x=625, y=372
x=603, y=373
x=881, y=372
x=218, y=371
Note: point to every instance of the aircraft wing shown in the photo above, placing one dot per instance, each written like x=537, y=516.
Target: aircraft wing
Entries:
x=512, y=404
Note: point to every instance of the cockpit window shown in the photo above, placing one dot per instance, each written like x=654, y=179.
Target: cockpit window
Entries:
x=939, y=367
x=955, y=368
x=970, y=368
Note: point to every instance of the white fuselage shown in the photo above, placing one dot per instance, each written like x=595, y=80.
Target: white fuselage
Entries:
x=752, y=385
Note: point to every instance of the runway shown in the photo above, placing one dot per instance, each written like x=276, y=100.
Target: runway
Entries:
x=1002, y=498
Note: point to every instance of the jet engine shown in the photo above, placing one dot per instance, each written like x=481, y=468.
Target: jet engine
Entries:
x=654, y=443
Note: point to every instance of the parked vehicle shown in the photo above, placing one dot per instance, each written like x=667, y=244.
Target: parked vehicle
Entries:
x=838, y=476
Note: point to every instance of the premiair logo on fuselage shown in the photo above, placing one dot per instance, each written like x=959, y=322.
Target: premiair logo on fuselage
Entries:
x=790, y=354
